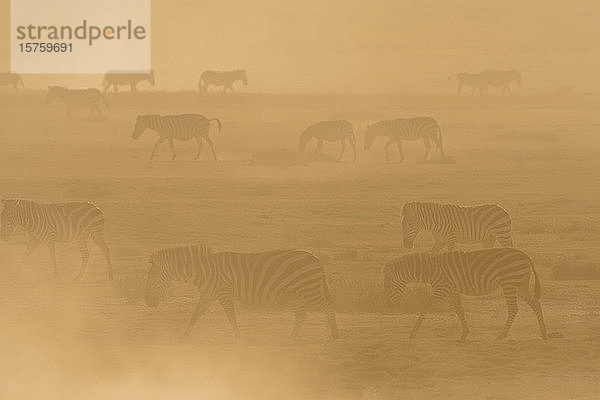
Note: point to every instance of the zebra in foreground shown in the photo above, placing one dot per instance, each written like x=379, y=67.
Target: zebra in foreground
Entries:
x=179, y=127
x=499, y=79
x=11, y=79
x=226, y=79
x=77, y=97
x=475, y=273
x=263, y=279
x=396, y=130
x=451, y=224
x=59, y=222
x=330, y=131
x=123, y=78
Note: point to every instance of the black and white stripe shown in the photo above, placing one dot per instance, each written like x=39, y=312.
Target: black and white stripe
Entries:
x=261, y=279
x=226, y=79
x=77, y=97
x=126, y=78
x=11, y=79
x=419, y=128
x=59, y=222
x=177, y=127
x=330, y=131
x=451, y=224
x=475, y=273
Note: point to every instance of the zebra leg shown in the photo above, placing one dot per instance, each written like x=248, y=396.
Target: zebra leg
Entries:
x=227, y=304
x=199, y=141
x=172, y=149
x=99, y=241
x=50, y=244
x=301, y=315
x=343, y=149
x=31, y=245
x=387, y=150
x=427, y=148
x=85, y=256
x=319, y=146
x=159, y=141
x=460, y=313
x=437, y=294
x=399, y=146
x=212, y=147
x=133, y=87
x=510, y=294
x=200, y=309
x=537, y=309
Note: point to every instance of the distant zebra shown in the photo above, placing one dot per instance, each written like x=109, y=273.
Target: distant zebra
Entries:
x=11, y=79
x=474, y=81
x=396, y=130
x=122, y=78
x=59, y=222
x=178, y=127
x=221, y=78
x=261, y=279
x=475, y=273
x=330, y=131
x=499, y=79
x=451, y=224
x=77, y=97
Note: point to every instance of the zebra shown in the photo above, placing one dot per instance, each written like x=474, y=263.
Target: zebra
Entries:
x=122, y=78
x=399, y=129
x=451, y=224
x=77, y=97
x=11, y=79
x=222, y=78
x=178, y=127
x=58, y=222
x=262, y=279
x=500, y=79
x=330, y=131
x=475, y=81
x=475, y=273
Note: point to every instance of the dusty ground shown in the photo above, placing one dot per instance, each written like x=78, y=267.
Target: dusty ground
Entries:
x=534, y=155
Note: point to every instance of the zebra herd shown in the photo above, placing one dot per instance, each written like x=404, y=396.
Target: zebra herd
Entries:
x=296, y=278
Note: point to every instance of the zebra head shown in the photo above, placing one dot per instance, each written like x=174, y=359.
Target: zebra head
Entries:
x=410, y=225
x=9, y=218
x=141, y=123
x=157, y=282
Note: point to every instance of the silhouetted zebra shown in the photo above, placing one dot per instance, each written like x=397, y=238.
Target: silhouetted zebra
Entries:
x=122, y=78
x=59, y=222
x=475, y=81
x=222, y=78
x=77, y=97
x=261, y=279
x=178, y=127
x=424, y=128
x=500, y=79
x=330, y=131
x=475, y=273
x=451, y=224
x=11, y=79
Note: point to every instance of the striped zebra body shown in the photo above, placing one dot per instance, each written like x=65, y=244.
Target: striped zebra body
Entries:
x=499, y=79
x=420, y=128
x=177, y=127
x=226, y=79
x=124, y=78
x=451, y=224
x=77, y=97
x=475, y=273
x=11, y=79
x=474, y=81
x=330, y=131
x=262, y=279
x=59, y=222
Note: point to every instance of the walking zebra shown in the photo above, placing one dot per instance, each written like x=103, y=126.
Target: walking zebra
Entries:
x=59, y=222
x=11, y=79
x=77, y=97
x=451, y=224
x=499, y=79
x=261, y=279
x=330, y=131
x=122, y=78
x=178, y=127
x=222, y=78
x=396, y=130
x=475, y=273
x=474, y=81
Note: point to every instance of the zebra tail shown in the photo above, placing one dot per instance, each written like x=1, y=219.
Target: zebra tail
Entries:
x=218, y=122
x=441, y=145
x=326, y=292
